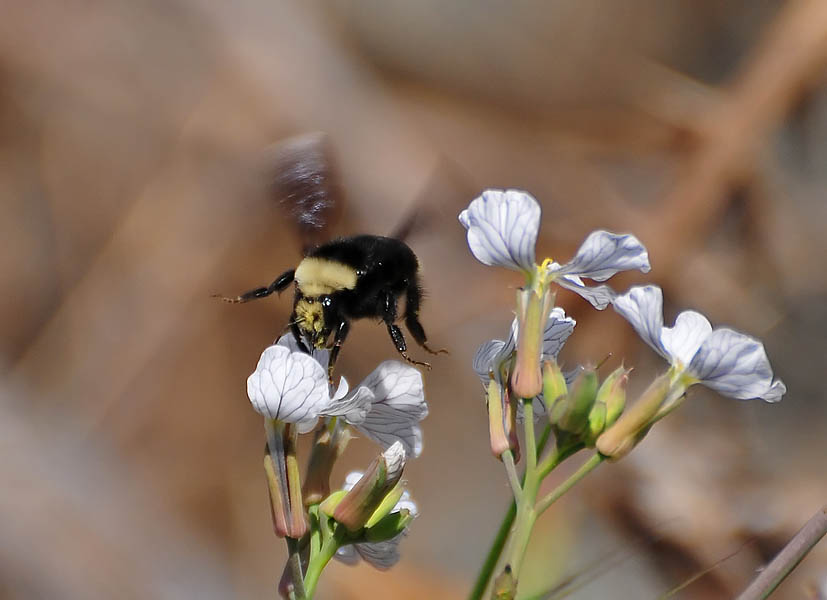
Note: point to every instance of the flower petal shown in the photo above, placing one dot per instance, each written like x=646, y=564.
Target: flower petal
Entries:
x=381, y=555
x=776, y=391
x=487, y=358
x=600, y=296
x=557, y=330
x=643, y=308
x=288, y=386
x=398, y=406
x=683, y=340
x=352, y=479
x=736, y=365
x=348, y=555
x=603, y=254
x=306, y=425
x=502, y=228
x=353, y=407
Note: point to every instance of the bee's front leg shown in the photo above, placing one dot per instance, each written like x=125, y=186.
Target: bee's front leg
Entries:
x=338, y=339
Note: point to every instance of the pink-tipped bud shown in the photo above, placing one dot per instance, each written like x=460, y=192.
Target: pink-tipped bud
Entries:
x=532, y=313
x=359, y=504
x=496, y=420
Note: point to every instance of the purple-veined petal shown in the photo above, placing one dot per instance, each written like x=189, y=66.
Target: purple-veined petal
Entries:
x=381, y=555
x=348, y=555
x=683, y=340
x=502, y=228
x=776, y=391
x=557, y=330
x=306, y=425
x=735, y=365
x=287, y=386
x=353, y=406
x=398, y=406
x=487, y=358
x=643, y=308
x=600, y=296
x=603, y=254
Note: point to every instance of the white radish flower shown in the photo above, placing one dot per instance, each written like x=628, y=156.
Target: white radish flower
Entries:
x=731, y=363
x=502, y=228
x=291, y=386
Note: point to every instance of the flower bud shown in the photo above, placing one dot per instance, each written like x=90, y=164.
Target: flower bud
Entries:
x=496, y=421
x=609, y=403
x=619, y=439
x=579, y=402
x=359, y=504
x=328, y=446
x=502, y=421
x=533, y=309
x=554, y=386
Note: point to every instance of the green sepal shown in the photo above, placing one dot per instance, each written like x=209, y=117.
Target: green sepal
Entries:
x=329, y=504
x=580, y=402
x=386, y=506
x=554, y=390
x=389, y=526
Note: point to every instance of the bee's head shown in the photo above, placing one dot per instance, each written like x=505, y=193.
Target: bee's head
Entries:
x=310, y=316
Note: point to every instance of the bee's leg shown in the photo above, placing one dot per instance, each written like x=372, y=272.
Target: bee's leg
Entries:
x=338, y=339
x=413, y=296
x=281, y=282
x=389, y=316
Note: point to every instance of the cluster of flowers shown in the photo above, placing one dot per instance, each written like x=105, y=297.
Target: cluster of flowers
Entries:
x=502, y=229
x=369, y=515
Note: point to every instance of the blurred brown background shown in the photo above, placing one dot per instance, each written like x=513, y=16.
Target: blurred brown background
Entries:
x=131, y=142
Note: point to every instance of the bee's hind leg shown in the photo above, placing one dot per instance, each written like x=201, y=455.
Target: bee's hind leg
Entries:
x=413, y=297
x=279, y=285
x=389, y=316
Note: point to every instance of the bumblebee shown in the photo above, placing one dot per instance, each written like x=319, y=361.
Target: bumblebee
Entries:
x=348, y=278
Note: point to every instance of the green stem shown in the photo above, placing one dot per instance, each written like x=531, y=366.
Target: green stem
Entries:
x=493, y=556
x=526, y=513
x=316, y=526
x=569, y=483
x=327, y=551
x=511, y=470
x=497, y=546
x=524, y=523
